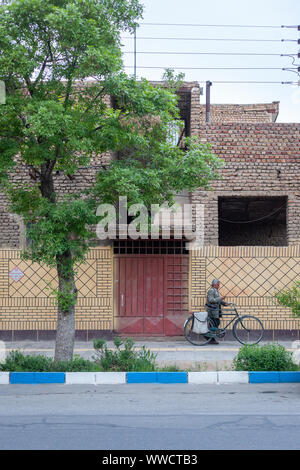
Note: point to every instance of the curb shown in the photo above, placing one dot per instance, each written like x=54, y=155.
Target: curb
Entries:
x=116, y=378
x=274, y=377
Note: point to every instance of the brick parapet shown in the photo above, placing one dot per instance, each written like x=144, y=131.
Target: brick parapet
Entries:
x=247, y=113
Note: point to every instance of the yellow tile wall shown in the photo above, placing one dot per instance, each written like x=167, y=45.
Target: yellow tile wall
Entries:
x=249, y=277
x=27, y=304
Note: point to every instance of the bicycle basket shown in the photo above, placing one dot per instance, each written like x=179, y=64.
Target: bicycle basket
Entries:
x=200, y=323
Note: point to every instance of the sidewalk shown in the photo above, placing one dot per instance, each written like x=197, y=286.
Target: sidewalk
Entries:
x=169, y=351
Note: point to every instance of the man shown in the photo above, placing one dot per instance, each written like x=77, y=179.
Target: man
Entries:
x=213, y=305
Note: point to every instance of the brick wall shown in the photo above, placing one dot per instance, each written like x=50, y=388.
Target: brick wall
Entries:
x=260, y=160
x=252, y=113
x=12, y=227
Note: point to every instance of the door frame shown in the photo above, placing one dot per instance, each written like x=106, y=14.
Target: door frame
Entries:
x=116, y=258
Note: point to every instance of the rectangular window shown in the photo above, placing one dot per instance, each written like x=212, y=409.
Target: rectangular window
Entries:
x=253, y=221
x=150, y=247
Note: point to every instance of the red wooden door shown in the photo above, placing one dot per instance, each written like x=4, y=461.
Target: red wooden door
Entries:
x=151, y=294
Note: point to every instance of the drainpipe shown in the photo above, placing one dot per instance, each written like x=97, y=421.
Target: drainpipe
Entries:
x=208, y=85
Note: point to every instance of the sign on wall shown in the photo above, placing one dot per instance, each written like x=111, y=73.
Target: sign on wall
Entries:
x=16, y=274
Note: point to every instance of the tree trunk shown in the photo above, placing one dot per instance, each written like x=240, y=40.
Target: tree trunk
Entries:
x=65, y=332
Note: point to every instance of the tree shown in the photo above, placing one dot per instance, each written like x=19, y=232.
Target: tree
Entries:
x=290, y=298
x=59, y=60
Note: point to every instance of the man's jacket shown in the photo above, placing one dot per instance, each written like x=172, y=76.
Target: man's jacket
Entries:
x=214, y=302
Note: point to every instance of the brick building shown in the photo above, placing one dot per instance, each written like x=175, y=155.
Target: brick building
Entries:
x=148, y=287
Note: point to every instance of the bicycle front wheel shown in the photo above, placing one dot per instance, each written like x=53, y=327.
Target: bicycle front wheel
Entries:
x=248, y=330
x=194, y=338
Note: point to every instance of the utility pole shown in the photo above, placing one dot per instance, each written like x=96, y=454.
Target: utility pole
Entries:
x=2, y=92
x=208, y=86
x=135, y=52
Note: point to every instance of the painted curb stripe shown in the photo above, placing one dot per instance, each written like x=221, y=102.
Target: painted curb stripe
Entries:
x=150, y=377
x=289, y=377
x=157, y=377
x=172, y=377
x=263, y=377
x=4, y=378
x=274, y=377
x=141, y=377
x=37, y=377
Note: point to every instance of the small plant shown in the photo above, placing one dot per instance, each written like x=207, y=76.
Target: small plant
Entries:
x=18, y=362
x=170, y=368
x=290, y=298
x=125, y=358
x=270, y=357
x=202, y=367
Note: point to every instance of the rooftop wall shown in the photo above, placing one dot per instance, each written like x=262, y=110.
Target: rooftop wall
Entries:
x=260, y=160
x=248, y=113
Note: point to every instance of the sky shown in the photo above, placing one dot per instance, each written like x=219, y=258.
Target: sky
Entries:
x=222, y=12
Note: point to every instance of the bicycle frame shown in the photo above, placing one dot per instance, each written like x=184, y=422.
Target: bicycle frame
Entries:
x=236, y=316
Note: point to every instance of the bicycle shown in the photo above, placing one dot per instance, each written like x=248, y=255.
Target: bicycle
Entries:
x=247, y=329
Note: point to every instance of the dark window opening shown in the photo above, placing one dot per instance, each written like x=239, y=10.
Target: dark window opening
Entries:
x=253, y=221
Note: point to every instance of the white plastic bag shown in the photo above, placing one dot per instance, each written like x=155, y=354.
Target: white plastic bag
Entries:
x=200, y=323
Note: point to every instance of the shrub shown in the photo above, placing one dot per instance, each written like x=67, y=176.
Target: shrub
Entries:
x=124, y=359
x=18, y=362
x=290, y=298
x=270, y=357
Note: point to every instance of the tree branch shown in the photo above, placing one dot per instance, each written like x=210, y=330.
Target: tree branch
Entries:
x=41, y=71
x=93, y=101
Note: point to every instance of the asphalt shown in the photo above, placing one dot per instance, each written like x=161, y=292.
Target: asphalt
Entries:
x=149, y=416
x=176, y=351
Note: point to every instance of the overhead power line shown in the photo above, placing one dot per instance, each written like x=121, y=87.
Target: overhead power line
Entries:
x=247, y=81
x=213, y=68
x=214, y=39
x=211, y=53
x=253, y=82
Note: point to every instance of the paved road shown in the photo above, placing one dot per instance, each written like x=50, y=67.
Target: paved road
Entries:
x=149, y=416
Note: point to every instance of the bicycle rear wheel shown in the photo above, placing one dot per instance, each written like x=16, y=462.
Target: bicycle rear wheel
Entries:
x=194, y=338
x=248, y=330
